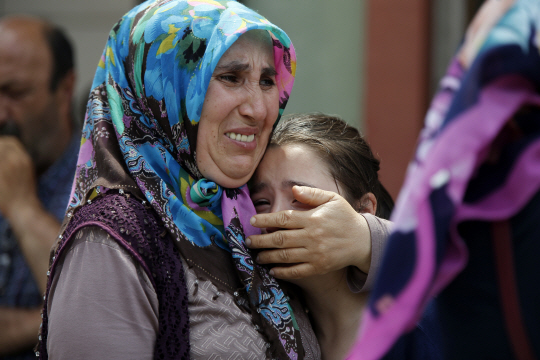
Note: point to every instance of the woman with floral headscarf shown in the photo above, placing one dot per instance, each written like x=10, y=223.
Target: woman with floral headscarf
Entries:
x=186, y=91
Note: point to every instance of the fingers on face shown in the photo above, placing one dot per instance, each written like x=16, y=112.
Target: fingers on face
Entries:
x=312, y=196
x=286, y=219
x=296, y=271
x=283, y=256
x=278, y=239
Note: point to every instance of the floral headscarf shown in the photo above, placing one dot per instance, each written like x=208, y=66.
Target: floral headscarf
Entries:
x=464, y=167
x=140, y=136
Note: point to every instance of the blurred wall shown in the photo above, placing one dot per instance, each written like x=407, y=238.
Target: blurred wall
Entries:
x=329, y=38
x=398, y=64
x=374, y=62
x=410, y=44
x=449, y=19
x=87, y=23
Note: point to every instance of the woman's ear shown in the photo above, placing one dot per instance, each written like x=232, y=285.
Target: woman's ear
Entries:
x=367, y=204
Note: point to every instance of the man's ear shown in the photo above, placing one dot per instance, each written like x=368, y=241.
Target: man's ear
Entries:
x=367, y=204
x=64, y=93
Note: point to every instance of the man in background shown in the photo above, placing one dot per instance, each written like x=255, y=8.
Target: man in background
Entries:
x=38, y=155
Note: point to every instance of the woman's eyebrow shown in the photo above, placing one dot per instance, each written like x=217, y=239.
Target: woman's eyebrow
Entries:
x=238, y=66
x=233, y=66
x=269, y=71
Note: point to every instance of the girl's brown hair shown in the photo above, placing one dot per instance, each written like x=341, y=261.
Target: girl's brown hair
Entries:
x=346, y=153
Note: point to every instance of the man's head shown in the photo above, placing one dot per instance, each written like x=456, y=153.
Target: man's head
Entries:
x=36, y=86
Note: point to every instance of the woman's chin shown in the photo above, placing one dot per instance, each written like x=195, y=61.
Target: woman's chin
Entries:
x=228, y=182
x=305, y=283
x=233, y=177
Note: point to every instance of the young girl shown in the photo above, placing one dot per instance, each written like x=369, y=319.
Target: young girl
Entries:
x=323, y=152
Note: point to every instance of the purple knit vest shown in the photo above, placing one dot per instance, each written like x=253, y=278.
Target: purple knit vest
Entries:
x=136, y=228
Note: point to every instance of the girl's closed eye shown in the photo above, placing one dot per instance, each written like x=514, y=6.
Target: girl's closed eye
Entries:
x=262, y=205
x=261, y=202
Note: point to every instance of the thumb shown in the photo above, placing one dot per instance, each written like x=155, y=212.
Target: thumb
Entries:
x=312, y=196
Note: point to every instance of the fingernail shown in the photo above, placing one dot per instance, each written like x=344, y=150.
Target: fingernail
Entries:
x=252, y=220
x=248, y=241
x=257, y=259
x=271, y=272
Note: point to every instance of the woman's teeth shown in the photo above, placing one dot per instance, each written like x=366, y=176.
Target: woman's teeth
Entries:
x=239, y=137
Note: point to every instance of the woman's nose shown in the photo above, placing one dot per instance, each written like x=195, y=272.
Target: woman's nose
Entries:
x=253, y=105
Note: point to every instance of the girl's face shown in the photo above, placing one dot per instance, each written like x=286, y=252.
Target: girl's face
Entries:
x=281, y=168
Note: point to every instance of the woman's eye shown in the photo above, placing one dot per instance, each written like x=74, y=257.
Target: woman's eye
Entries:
x=267, y=82
x=229, y=78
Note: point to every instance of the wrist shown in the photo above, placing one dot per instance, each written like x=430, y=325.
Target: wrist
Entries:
x=23, y=212
x=363, y=245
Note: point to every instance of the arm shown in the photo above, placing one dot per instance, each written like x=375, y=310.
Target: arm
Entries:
x=101, y=303
x=19, y=329
x=329, y=237
x=35, y=229
x=380, y=229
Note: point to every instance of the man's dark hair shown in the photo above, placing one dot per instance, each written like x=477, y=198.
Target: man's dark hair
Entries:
x=346, y=153
x=62, y=54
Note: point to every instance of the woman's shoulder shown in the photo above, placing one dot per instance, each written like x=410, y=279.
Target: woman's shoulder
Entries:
x=114, y=208
x=122, y=221
x=128, y=220
x=92, y=318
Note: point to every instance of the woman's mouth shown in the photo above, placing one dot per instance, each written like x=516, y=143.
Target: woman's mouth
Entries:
x=240, y=137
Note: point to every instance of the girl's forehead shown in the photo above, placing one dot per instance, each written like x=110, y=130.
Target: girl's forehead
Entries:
x=294, y=162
